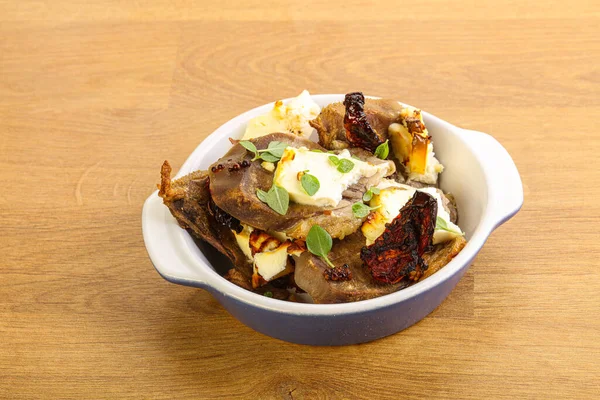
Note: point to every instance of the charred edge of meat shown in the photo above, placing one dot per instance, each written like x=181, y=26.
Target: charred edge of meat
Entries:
x=223, y=218
x=165, y=179
x=358, y=130
x=340, y=273
x=397, y=253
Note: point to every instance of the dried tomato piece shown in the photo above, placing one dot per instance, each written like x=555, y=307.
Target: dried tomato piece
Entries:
x=397, y=253
x=359, y=132
x=340, y=273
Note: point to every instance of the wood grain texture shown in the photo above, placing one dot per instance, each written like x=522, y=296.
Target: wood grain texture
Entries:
x=95, y=95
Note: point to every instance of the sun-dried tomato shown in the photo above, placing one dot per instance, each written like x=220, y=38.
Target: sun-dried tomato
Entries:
x=359, y=132
x=397, y=253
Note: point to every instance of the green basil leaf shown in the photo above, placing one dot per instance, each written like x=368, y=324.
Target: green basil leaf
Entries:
x=262, y=195
x=360, y=210
x=334, y=160
x=383, y=150
x=369, y=193
x=276, y=148
x=310, y=183
x=345, y=166
x=278, y=199
x=440, y=224
x=248, y=146
x=319, y=243
x=269, y=157
x=268, y=294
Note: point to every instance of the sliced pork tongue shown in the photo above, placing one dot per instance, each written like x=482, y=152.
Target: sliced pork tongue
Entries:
x=189, y=201
x=234, y=180
x=310, y=275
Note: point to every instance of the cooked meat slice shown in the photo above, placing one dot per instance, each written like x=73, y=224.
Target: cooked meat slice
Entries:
x=442, y=254
x=233, y=189
x=397, y=254
x=450, y=205
x=311, y=275
x=188, y=199
x=311, y=271
x=236, y=277
x=380, y=114
x=330, y=127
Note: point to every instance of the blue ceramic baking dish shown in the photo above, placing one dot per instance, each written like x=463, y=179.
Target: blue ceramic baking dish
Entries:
x=478, y=171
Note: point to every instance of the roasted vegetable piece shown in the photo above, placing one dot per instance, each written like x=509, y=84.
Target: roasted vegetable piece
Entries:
x=397, y=253
x=410, y=140
x=358, y=130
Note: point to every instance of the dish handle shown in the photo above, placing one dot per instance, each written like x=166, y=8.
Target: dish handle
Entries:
x=166, y=247
x=505, y=193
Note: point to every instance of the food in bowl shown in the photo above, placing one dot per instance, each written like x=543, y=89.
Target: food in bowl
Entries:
x=352, y=216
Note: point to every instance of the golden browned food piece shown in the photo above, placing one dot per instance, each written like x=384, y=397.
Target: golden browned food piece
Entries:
x=410, y=140
x=442, y=254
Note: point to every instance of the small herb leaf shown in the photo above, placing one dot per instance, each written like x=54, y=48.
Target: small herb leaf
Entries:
x=262, y=195
x=361, y=210
x=277, y=148
x=383, y=150
x=310, y=183
x=248, y=146
x=369, y=193
x=345, y=165
x=268, y=294
x=319, y=243
x=440, y=224
x=278, y=199
x=334, y=160
x=269, y=157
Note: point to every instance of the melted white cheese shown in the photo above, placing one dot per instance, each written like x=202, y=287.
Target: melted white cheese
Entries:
x=332, y=182
x=292, y=118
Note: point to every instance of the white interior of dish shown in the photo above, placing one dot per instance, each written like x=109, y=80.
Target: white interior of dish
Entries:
x=464, y=177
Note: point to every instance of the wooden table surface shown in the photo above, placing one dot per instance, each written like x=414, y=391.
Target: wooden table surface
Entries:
x=93, y=97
